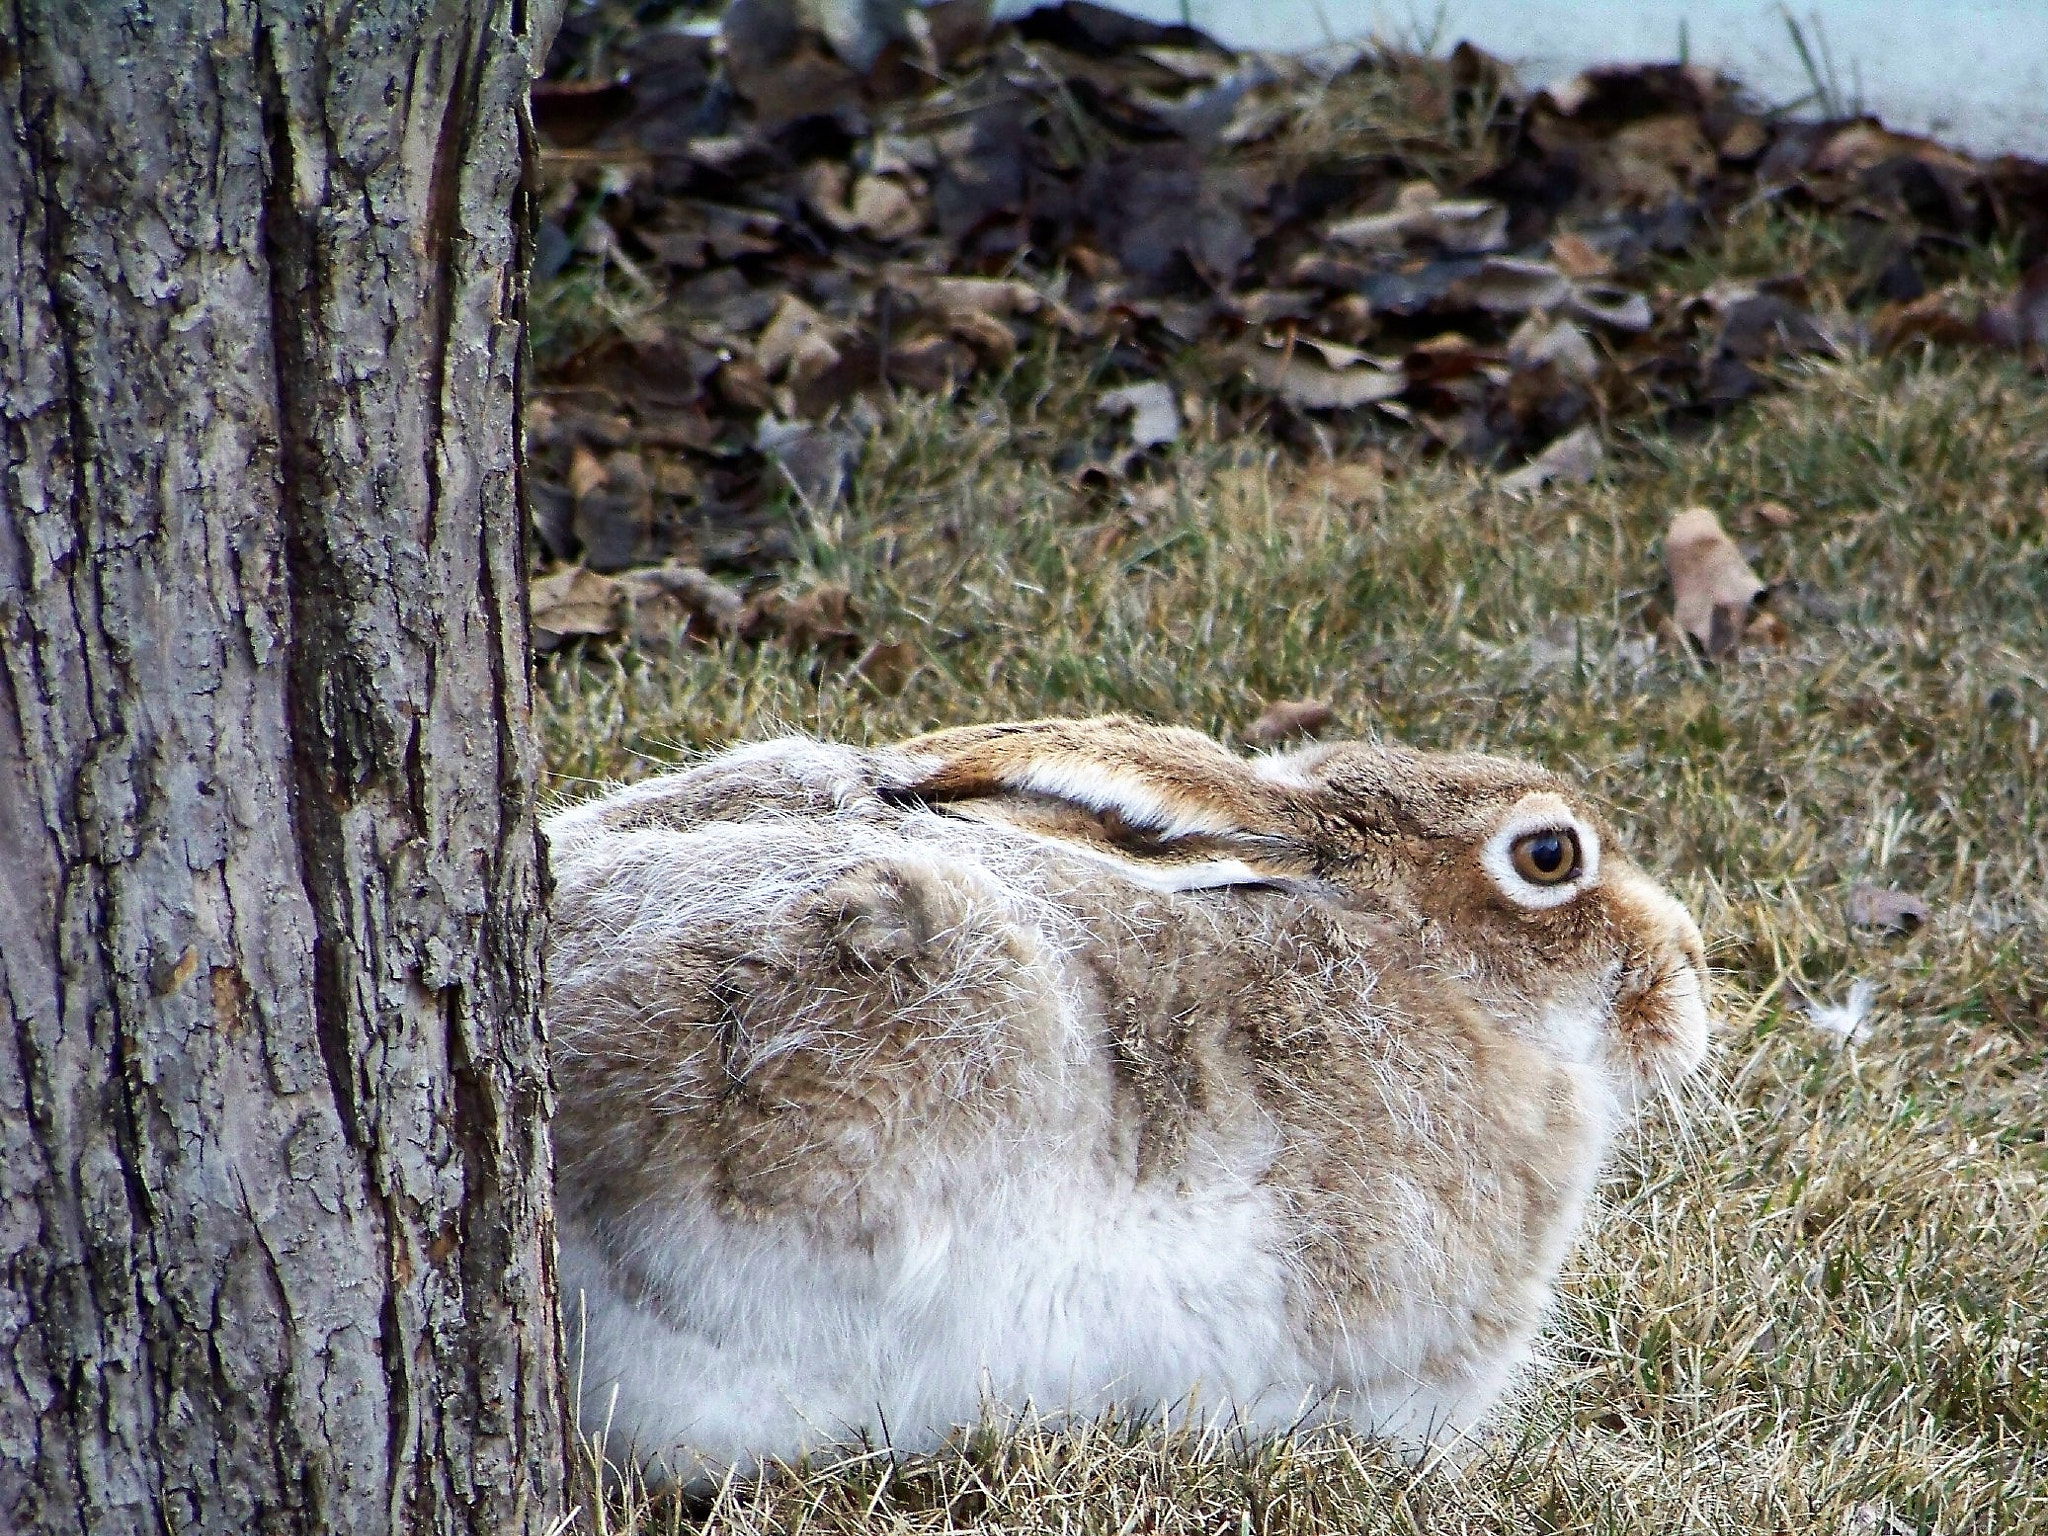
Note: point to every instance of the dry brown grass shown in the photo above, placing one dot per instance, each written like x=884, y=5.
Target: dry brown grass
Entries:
x=1820, y=1303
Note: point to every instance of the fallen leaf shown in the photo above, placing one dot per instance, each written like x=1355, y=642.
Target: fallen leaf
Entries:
x=783, y=69
x=1877, y=906
x=823, y=618
x=1577, y=257
x=1712, y=586
x=615, y=517
x=1462, y=226
x=885, y=208
x=1561, y=345
x=586, y=472
x=1657, y=159
x=814, y=460
x=1619, y=309
x=1938, y=317
x=572, y=602
x=1303, y=375
x=741, y=386
x=796, y=346
x=1863, y=146
x=1154, y=418
x=1357, y=482
x=2020, y=321
x=570, y=113
x=1745, y=139
x=673, y=602
x=1512, y=286
x=930, y=363
x=1758, y=324
x=1572, y=460
x=998, y=296
x=992, y=342
x=888, y=665
x=1288, y=720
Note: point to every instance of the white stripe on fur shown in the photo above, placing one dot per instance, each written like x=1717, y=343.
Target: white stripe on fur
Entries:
x=1104, y=789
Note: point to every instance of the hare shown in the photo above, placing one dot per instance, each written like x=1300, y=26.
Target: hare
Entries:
x=1085, y=1065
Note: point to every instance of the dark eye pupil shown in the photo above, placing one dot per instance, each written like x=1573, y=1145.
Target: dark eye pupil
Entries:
x=1547, y=854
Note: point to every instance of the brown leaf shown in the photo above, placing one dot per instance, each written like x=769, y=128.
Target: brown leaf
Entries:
x=888, y=665
x=1618, y=309
x=814, y=460
x=1877, y=906
x=615, y=518
x=1744, y=139
x=2021, y=320
x=877, y=205
x=783, y=69
x=674, y=602
x=796, y=346
x=1572, y=460
x=930, y=363
x=1287, y=720
x=1937, y=317
x=1657, y=159
x=741, y=386
x=570, y=113
x=1577, y=257
x=885, y=208
x=574, y=601
x=674, y=477
x=1322, y=376
x=823, y=618
x=1001, y=297
x=1358, y=482
x=1863, y=146
x=1153, y=416
x=1712, y=586
x=1465, y=226
x=823, y=184
x=1562, y=345
x=1511, y=286
x=586, y=472
x=992, y=341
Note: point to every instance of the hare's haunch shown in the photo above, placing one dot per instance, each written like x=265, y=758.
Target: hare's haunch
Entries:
x=1079, y=1064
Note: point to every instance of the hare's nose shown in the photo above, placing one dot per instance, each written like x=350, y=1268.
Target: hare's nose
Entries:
x=1661, y=1014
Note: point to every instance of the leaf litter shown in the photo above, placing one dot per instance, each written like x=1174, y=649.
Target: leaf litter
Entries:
x=755, y=237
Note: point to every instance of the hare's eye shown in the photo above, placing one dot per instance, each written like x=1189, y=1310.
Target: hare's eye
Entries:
x=1546, y=858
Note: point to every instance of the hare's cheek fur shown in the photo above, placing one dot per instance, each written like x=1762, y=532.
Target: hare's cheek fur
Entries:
x=1662, y=1021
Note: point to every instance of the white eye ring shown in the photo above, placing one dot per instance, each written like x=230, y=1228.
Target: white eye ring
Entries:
x=1541, y=812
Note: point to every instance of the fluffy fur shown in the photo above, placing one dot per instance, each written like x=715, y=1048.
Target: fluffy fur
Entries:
x=1079, y=1064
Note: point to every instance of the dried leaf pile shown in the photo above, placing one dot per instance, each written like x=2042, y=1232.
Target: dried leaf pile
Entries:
x=752, y=246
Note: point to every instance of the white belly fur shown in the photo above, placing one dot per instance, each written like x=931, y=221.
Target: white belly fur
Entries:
x=748, y=1340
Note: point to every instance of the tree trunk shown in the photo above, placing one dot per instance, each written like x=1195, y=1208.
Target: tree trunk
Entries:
x=276, y=1251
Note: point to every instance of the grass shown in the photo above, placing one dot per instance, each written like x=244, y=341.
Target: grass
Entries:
x=1821, y=1305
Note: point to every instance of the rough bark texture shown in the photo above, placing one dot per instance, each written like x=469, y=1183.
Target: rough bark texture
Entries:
x=275, y=1243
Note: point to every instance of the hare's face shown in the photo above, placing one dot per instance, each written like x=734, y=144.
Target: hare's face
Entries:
x=1520, y=890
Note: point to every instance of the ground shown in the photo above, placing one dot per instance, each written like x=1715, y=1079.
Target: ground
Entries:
x=1817, y=1297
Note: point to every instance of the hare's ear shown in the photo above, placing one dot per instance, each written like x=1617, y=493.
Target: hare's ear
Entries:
x=1171, y=808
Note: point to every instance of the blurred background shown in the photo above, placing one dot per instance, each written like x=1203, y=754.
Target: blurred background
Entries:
x=1972, y=74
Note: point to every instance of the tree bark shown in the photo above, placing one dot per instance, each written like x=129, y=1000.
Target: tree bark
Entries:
x=276, y=1250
